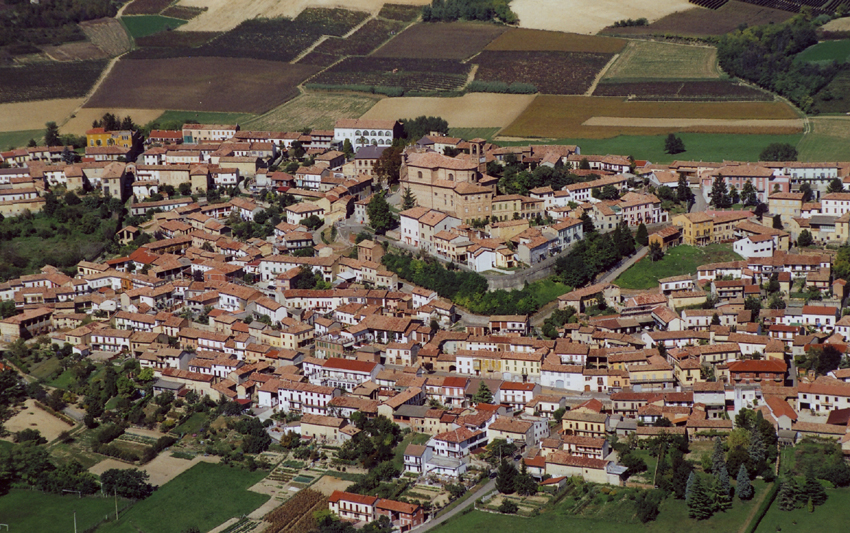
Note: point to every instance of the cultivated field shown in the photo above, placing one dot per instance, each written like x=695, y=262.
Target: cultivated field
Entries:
x=83, y=118
x=313, y=110
x=202, y=84
x=710, y=90
x=660, y=61
x=107, y=34
x=829, y=140
x=371, y=35
x=223, y=15
x=473, y=110
x=699, y=21
x=408, y=73
x=176, y=39
x=842, y=24
x=9, y=140
x=77, y=51
x=404, y=13
x=565, y=116
x=589, y=16
x=327, y=484
x=47, y=80
x=453, y=40
x=33, y=115
x=553, y=41
x=691, y=123
x=550, y=72
x=34, y=418
x=835, y=97
x=146, y=7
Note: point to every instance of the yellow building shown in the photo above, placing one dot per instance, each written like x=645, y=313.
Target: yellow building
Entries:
x=696, y=228
x=785, y=204
x=101, y=137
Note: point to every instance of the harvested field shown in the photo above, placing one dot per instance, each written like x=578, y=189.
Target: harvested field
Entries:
x=835, y=97
x=313, y=110
x=564, y=116
x=407, y=73
x=589, y=16
x=473, y=110
x=146, y=7
x=107, y=34
x=33, y=115
x=684, y=123
x=697, y=22
x=400, y=12
x=684, y=90
x=441, y=40
x=34, y=418
x=76, y=51
x=842, y=24
x=82, y=119
x=829, y=140
x=182, y=12
x=48, y=80
x=518, y=39
x=177, y=39
x=648, y=60
x=370, y=36
x=327, y=484
x=550, y=72
x=202, y=84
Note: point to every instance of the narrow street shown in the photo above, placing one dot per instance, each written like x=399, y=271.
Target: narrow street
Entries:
x=490, y=486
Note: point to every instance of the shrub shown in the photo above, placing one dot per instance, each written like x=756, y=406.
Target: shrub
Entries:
x=508, y=507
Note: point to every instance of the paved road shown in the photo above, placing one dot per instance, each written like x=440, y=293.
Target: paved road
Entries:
x=700, y=204
x=490, y=486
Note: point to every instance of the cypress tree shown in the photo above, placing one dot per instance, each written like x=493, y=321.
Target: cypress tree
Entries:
x=642, y=236
x=744, y=488
x=757, y=451
x=506, y=479
x=700, y=505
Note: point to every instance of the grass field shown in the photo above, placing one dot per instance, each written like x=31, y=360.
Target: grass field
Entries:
x=474, y=133
x=556, y=116
x=452, y=40
x=204, y=496
x=546, y=290
x=144, y=25
x=679, y=260
x=25, y=510
x=831, y=516
x=191, y=425
x=17, y=139
x=313, y=110
x=835, y=97
x=517, y=39
x=826, y=51
x=663, y=61
x=829, y=140
x=204, y=117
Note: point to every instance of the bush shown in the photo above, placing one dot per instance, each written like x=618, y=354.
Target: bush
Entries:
x=29, y=435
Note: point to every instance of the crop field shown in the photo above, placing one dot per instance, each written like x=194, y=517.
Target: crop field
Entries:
x=407, y=73
x=442, y=40
x=175, y=117
x=835, y=97
x=82, y=119
x=312, y=110
x=839, y=24
x=400, y=12
x=48, y=80
x=146, y=7
x=472, y=110
x=829, y=140
x=107, y=34
x=183, y=12
x=659, y=61
x=550, y=72
x=200, y=84
x=565, y=116
x=33, y=115
x=143, y=25
x=684, y=90
x=517, y=39
x=826, y=52
x=318, y=59
x=589, y=16
x=76, y=51
x=17, y=139
x=370, y=36
x=177, y=39
x=697, y=22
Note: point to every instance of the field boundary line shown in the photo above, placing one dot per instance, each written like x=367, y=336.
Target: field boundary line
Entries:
x=94, y=87
x=601, y=73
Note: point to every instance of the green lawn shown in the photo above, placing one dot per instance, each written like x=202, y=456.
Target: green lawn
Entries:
x=192, y=424
x=176, y=119
x=546, y=290
x=144, y=25
x=45, y=368
x=831, y=516
x=63, y=381
x=826, y=51
x=25, y=510
x=413, y=438
x=18, y=139
x=679, y=260
x=204, y=496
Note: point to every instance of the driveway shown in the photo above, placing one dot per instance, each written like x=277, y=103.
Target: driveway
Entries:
x=490, y=486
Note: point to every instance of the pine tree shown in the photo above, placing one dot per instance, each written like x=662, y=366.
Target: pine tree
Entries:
x=734, y=197
x=757, y=451
x=483, y=395
x=642, y=236
x=723, y=489
x=683, y=192
x=718, y=457
x=525, y=484
x=380, y=216
x=700, y=504
x=408, y=201
x=719, y=192
x=813, y=490
x=506, y=478
x=744, y=488
x=689, y=487
x=788, y=494
x=749, y=196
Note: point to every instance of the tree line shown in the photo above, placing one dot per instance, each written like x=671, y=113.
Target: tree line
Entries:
x=450, y=10
x=594, y=254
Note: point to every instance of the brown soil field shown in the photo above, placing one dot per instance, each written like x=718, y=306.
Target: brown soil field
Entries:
x=223, y=15
x=161, y=470
x=472, y=110
x=182, y=12
x=589, y=16
x=565, y=116
x=698, y=21
x=704, y=90
x=146, y=7
x=550, y=72
x=83, y=118
x=541, y=41
x=33, y=115
x=107, y=34
x=34, y=418
x=200, y=84
x=842, y=24
x=619, y=122
x=327, y=484
x=73, y=51
x=441, y=40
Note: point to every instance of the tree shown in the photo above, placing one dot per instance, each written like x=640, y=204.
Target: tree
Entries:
x=51, y=134
x=656, y=253
x=647, y=503
x=723, y=489
x=388, y=165
x=778, y=152
x=812, y=489
x=700, y=504
x=683, y=191
x=414, y=129
x=789, y=494
x=806, y=189
x=715, y=320
x=717, y=456
x=777, y=222
x=753, y=304
x=642, y=237
x=734, y=197
x=744, y=488
x=674, y=145
x=128, y=483
x=525, y=484
x=408, y=201
x=587, y=223
x=761, y=210
x=749, y=195
x=508, y=507
x=719, y=192
x=185, y=188
x=804, y=239
x=379, y=213
x=483, y=395
x=506, y=478
x=835, y=185
x=689, y=487
x=347, y=149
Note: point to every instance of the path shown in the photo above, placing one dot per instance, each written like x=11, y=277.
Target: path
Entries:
x=755, y=509
x=613, y=274
x=491, y=485
x=599, y=76
x=94, y=87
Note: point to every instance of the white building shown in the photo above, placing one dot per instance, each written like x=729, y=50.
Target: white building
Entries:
x=363, y=132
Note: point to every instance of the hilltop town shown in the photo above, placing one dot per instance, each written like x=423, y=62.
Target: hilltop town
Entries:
x=352, y=296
